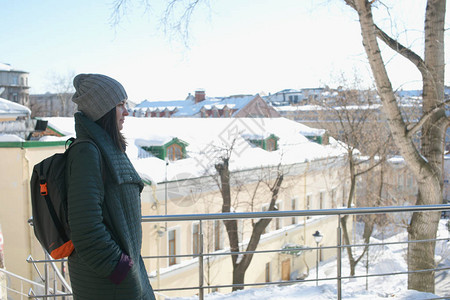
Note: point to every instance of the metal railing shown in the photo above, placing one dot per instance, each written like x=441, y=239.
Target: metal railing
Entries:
x=201, y=255
x=298, y=213
x=58, y=277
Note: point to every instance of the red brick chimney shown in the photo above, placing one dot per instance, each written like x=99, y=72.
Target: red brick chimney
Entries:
x=200, y=95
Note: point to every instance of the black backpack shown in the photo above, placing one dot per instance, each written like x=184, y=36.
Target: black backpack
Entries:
x=49, y=203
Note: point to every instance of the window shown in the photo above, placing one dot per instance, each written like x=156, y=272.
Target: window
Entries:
x=265, y=208
x=217, y=235
x=278, y=220
x=322, y=200
x=333, y=198
x=172, y=246
x=400, y=182
x=174, y=152
x=268, y=272
x=308, y=203
x=294, y=207
x=268, y=144
x=409, y=181
x=195, y=238
x=14, y=80
x=344, y=194
x=271, y=145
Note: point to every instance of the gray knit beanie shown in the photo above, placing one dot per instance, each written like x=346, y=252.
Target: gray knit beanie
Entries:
x=97, y=94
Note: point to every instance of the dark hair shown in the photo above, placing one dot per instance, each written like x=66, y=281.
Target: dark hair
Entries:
x=109, y=123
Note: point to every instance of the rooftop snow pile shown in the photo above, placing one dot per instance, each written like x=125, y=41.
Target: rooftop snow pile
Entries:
x=208, y=139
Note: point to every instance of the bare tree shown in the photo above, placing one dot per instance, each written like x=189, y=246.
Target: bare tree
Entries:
x=175, y=20
x=241, y=262
x=353, y=117
x=61, y=85
x=425, y=162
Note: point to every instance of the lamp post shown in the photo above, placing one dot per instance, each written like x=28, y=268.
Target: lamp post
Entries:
x=318, y=238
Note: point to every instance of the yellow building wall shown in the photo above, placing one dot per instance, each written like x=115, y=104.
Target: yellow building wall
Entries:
x=17, y=161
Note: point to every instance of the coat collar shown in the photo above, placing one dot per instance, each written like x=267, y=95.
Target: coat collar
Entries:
x=117, y=163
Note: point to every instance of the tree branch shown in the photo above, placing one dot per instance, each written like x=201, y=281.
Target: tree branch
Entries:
x=412, y=129
x=181, y=25
x=402, y=50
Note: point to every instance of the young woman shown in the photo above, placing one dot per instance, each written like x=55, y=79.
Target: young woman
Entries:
x=104, y=202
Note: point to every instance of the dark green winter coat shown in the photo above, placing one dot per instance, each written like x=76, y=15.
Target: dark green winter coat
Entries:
x=104, y=210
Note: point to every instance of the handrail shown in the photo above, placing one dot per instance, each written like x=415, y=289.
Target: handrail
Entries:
x=21, y=278
x=296, y=213
x=280, y=214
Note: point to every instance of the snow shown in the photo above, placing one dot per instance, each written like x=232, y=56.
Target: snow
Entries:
x=209, y=138
x=10, y=138
x=64, y=125
x=299, y=108
x=5, y=67
x=11, y=108
x=382, y=259
x=188, y=107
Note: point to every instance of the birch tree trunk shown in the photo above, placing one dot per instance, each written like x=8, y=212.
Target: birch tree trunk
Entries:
x=425, y=163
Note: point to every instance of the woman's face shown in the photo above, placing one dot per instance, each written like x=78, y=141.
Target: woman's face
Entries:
x=121, y=112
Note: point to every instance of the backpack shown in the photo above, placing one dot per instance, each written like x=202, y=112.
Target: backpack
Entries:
x=49, y=203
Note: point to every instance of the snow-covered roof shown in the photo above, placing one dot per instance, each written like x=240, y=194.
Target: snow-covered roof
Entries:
x=10, y=138
x=5, y=67
x=64, y=125
x=188, y=107
x=299, y=108
x=208, y=138
x=8, y=68
x=12, y=109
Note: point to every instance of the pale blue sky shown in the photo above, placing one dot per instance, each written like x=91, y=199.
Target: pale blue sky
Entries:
x=235, y=46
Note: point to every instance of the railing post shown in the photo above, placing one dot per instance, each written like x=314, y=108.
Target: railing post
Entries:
x=200, y=263
x=46, y=276
x=339, y=256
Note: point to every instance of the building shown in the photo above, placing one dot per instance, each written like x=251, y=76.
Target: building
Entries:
x=15, y=121
x=14, y=85
x=303, y=96
x=259, y=144
x=200, y=106
x=52, y=105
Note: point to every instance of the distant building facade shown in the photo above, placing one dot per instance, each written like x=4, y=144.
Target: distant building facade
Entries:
x=52, y=105
x=14, y=84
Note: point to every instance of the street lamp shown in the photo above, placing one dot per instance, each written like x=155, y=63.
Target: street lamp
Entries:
x=318, y=238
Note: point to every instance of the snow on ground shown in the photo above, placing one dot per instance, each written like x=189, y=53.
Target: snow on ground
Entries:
x=382, y=259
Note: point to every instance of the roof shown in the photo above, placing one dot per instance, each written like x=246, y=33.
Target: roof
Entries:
x=12, y=109
x=188, y=108
x=208, y=138
x=9, y=68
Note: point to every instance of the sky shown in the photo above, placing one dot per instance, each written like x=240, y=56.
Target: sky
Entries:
x=234, y=46
x=387, y=259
